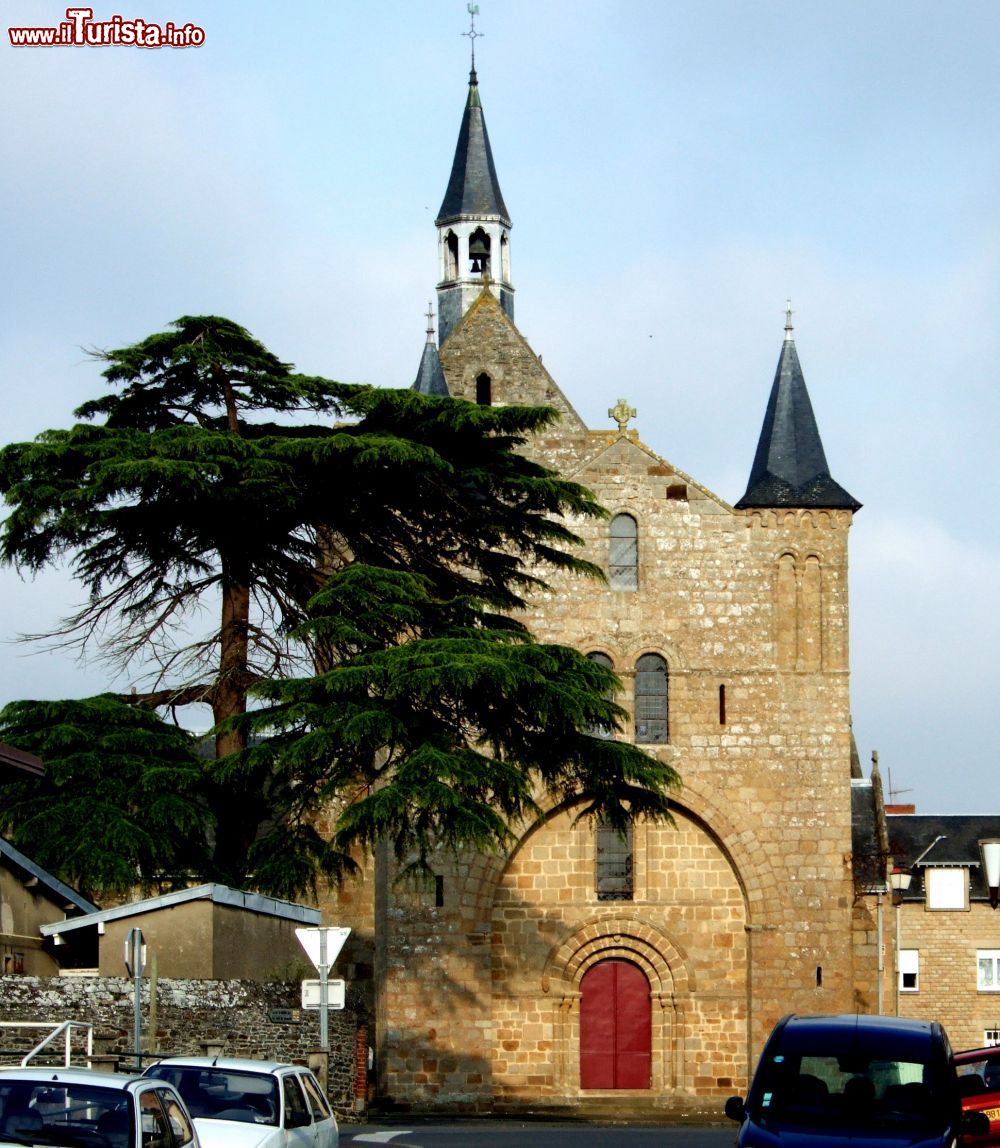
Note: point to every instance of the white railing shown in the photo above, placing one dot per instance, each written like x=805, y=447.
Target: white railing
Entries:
x=65, y=1029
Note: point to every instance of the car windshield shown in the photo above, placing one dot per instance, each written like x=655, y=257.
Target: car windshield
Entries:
x=63, y=1113
x=223, y=1093
x=845, y=1093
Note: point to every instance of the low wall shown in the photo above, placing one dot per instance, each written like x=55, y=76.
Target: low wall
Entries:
x=194, y=1018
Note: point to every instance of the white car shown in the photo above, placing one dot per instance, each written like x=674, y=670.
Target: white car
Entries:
x=78, y=1108
x=251, y=1103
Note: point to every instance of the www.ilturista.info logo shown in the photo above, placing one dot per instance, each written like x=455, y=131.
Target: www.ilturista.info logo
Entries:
x=80, y=29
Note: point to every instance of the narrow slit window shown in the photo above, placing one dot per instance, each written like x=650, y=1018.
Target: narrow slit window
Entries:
x=722, y=705
x=651, y=699
x=623, y=554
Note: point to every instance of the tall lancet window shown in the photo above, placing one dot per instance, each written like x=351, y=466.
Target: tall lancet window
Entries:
x=623, y=554
x=479, y=253
x=613, y=857
x=651, y=699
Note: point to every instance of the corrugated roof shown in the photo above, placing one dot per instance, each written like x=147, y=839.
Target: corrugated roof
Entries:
x=473, y=189
x=219, y=894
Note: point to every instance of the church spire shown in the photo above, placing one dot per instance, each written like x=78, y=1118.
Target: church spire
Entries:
x=473, y=223
x=430, y=378
x=790, y=467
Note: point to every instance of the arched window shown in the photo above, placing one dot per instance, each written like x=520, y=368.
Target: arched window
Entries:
x=623, y=553
x=651, y=699
x=451, y=256
x=613, y=862
x=484, y=390
x=479, y=253
x=601, y=660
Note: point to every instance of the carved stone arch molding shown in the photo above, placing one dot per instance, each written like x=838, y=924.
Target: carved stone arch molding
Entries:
x=664, y=964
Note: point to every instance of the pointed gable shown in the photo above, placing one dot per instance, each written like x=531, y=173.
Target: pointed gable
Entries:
x=485, y=345
x=473, y=188
x=790, y=468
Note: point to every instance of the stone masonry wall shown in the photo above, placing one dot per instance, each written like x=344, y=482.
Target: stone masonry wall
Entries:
x=233, y=1018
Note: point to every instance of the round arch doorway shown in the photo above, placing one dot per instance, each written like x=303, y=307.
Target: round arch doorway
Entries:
x=615, y=1026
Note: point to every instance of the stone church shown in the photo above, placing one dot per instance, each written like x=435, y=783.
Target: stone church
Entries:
x=582, y=970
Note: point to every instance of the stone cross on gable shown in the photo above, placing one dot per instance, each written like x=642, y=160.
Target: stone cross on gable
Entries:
x=621, y=412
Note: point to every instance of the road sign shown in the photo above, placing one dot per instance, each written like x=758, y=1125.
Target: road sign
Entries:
x=336, y=994
x=135, y=953
x=311, y=940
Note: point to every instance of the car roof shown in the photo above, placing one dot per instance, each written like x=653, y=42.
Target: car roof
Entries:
x=55, y=1074
x=978, y=1053
x=838, y=1033
x=233, y=1063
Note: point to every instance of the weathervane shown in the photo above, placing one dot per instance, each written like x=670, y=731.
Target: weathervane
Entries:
x=788, y=321
x=473, y=10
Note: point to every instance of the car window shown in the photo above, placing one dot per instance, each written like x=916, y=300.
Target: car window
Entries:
x=831, y=1092
x=156, y=1132
x=223, y=1094
x=317, y=1101
x=294, y=1101
x=177, y=1118
x=67, y=1112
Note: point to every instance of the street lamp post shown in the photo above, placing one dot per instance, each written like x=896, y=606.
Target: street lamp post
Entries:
x=899, y=882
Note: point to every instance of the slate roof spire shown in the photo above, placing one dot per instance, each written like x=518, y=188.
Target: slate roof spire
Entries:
x=473, y=188
x=430, y=378
x=790, y=467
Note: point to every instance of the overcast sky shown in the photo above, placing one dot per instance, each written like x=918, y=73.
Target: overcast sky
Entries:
x=674, y=169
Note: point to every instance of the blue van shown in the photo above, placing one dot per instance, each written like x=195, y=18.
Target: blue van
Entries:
x=872, y=1081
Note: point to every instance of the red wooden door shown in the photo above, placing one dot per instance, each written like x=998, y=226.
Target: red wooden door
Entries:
x=615, y=1027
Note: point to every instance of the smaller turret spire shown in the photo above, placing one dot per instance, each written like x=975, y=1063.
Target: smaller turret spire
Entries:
x=790, y=468
x=430, y=378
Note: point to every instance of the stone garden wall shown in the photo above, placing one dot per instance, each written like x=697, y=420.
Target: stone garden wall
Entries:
x=193, y=1018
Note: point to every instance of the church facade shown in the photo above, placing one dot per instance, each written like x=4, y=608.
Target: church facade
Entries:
x=584, y=970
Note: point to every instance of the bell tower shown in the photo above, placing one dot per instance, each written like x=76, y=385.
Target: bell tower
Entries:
x=473, y=224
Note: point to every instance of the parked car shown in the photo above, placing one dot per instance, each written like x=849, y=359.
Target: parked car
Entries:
x=866, y=1081
x=251, y=1103
x=78, y=1108
x=979, y=1087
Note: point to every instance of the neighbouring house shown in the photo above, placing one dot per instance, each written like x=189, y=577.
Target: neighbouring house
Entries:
x=947, y=924
x=208, y=932
x=31, y=898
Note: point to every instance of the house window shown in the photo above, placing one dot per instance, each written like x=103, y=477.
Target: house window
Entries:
x=613, y=878
x=947, y=889
x=651, y=699
x=484, y=390
x=988, y=970
x=601, y=660
x=623, y=554
x=909, y=970
x=991, y=1038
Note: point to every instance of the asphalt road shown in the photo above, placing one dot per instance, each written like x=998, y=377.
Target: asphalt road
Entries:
x=512, y=1133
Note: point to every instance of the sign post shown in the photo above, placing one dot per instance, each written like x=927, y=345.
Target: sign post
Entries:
x=323, y=946
x=135, y=960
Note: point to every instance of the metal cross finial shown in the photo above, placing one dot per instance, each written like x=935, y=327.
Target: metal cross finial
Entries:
x=430, y=324
x=788, y=321
x=621, y=412
x=473, y=10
